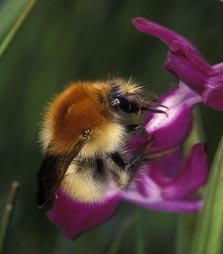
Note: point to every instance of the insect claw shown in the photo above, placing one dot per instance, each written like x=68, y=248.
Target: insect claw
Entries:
x=141, y=131
x=134, y=165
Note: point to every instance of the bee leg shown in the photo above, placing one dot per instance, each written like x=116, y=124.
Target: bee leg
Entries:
x=134, y=165
x=138, y=130
x=98, y=171
x=117, y=159
x=125, y=172
x=119, y=174
x=131, y=167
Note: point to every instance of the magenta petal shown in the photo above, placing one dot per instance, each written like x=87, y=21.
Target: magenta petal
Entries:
x=166, y=35
x=179, y=46
x=213, y=94
x=148, y=194
x=75, y=217
x=184, y=51
x=170, y=191
x=219, y=67
x=206, y=81
x=165, y=168
x=187, y=64
x=187, y=71
x=170, y=130
x=193, y=175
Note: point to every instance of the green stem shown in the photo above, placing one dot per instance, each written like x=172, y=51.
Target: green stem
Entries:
x=7, y=214
x=140, y=247
x=209, y=229
x=117, y=242
x=197, y=134
x=185, y=227
x=8, y=38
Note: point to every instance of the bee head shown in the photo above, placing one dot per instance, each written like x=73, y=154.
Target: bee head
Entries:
x=76, y=116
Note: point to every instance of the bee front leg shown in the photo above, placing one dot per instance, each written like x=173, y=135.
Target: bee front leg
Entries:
x=134, y=165
x=128, y=167
x=138, y=130
x=125, y=172
x=118, y=160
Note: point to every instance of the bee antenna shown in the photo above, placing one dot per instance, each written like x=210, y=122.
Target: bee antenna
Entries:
x=155, y=110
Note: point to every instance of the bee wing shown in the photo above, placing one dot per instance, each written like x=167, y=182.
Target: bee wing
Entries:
x=51, y=173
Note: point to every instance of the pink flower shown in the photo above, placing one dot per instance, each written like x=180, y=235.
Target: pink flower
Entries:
x=187, y=64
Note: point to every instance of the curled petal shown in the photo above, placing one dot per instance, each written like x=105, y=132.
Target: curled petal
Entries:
x=219, y=67
x=188, y=71
x=75, y=217
x=187, y=64
x=166, y=35
x=193, y=58
x=171, y=129
x=206, y=80
x=213, y=94
x=202, y=78
x=178, y=45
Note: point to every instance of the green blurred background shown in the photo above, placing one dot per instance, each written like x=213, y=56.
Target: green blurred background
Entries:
x=65, y=40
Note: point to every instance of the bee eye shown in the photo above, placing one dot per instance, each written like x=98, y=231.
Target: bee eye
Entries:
x=115, y=102
x=86, y=133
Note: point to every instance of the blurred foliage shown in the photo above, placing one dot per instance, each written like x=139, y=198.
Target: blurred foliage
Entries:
x=69, y=40
x=9, y=10
x=209, y=231
x=12, y=15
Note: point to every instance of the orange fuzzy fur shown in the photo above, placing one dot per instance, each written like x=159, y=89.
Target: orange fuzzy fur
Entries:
x=81, y=106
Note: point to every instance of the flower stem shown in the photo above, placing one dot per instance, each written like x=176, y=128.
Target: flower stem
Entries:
x=117, y=242
x=197, y=134
x=185, y=228
x=7, y=214
x=11, y=33
x=209, y=228
x=140, y=246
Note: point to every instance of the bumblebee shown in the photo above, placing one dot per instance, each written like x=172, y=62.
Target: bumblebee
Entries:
x=83, y=137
